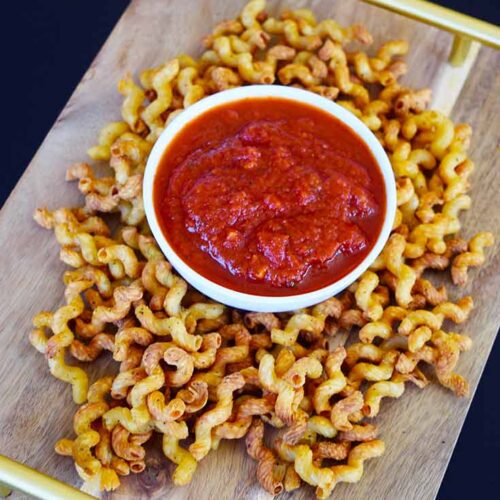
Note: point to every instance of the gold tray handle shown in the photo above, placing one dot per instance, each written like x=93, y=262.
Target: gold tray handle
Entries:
x=23, y=478
x=465, y=28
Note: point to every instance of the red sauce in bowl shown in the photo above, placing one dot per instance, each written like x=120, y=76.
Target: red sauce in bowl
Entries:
x=269, y=196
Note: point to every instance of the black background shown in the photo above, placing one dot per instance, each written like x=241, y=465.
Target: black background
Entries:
x=47, y=46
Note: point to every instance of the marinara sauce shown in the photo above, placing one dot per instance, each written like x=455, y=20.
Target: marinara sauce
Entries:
x=269, y=196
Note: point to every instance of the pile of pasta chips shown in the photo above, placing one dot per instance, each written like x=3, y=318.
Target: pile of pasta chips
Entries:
x=196, y=372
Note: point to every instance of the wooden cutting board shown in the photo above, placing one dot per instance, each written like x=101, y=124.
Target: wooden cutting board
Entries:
x=420, y=429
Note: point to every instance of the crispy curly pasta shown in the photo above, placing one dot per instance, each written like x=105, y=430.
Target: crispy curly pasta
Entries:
x=353, y=470
x=186, y=463
x=216, y=416
x=265, y=458
x=189, y=367
x=173, y=327
x=393, y=388
x=473, y=258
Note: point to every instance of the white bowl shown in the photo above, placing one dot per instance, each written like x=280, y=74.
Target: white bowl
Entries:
x=258, y=302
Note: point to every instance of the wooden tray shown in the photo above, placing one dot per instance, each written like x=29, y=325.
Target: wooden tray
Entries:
x=420, y=429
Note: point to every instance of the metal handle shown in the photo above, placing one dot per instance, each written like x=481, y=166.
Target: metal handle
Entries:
x=23, y=478
x=465, y=28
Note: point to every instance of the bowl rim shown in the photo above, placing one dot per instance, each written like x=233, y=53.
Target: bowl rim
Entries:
x=266, y=303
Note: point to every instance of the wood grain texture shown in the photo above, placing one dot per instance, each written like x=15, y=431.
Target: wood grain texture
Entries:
x=420, y=429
